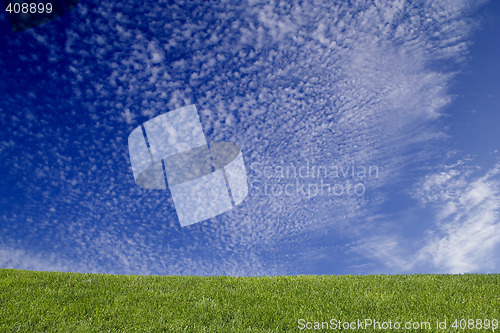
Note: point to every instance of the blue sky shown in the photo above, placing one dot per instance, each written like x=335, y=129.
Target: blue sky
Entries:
x=409, y=89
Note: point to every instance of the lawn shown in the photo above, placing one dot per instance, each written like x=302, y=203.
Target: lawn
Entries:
x=70, y=302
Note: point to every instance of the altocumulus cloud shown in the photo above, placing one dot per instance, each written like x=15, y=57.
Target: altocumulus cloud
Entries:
x=334, y=83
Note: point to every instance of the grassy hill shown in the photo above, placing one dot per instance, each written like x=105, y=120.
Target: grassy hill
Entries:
x=68, y=302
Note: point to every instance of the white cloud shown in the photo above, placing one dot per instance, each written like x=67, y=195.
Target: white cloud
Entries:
x=285, y=81
x=465, y=235
x=469, y=224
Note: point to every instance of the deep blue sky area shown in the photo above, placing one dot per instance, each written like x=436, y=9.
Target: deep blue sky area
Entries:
x=409, y=89
x=475, y=122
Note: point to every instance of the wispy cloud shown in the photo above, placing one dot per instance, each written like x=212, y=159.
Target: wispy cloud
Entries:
x=468, y=217
x=465, y=235
x=287, y=81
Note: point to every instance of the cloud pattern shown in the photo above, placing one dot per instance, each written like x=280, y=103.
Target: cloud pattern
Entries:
x=291, y=83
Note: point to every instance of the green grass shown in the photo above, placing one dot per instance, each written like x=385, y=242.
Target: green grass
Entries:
x=68, y=302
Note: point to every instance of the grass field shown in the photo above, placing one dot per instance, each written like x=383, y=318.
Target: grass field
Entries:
x=68, y=302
